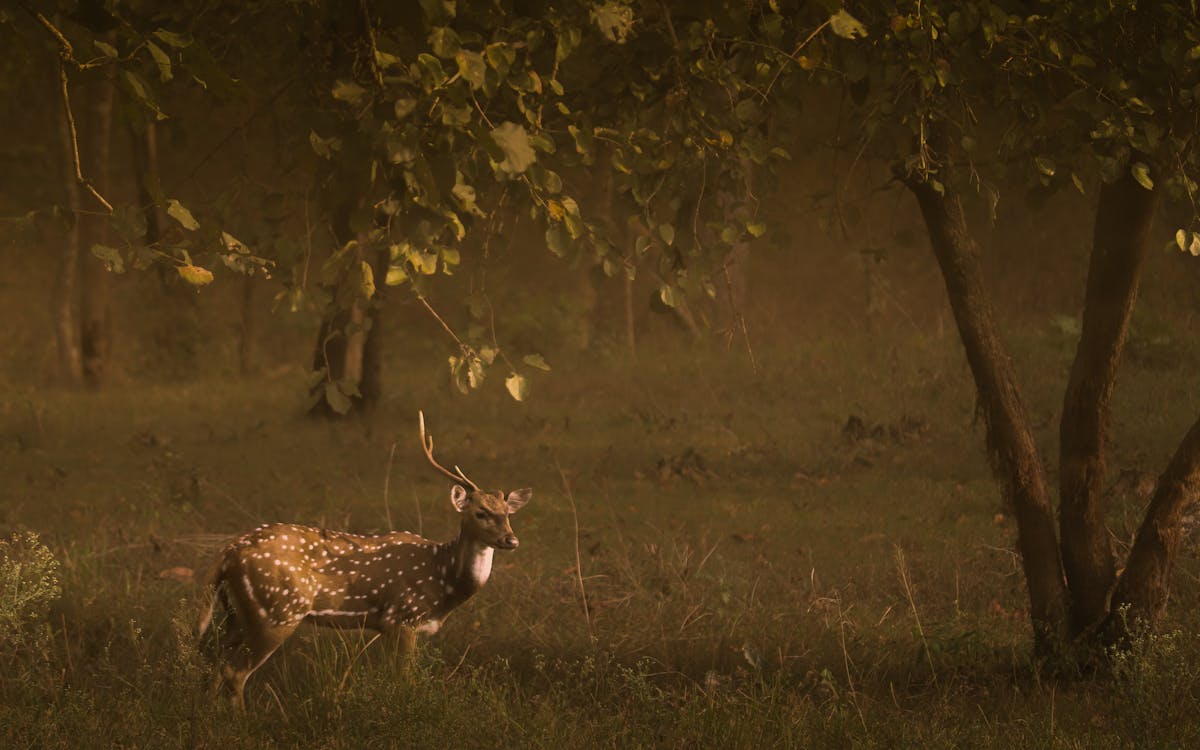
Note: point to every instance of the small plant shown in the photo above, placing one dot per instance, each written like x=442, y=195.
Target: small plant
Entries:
x=1158, y=683
x=28, y=586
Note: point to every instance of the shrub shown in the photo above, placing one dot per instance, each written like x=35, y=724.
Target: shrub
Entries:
x=28, y=586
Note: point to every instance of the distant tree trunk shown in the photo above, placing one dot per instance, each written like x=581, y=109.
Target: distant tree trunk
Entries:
x=371, y=366
x=1011, y=447
x=731, y=292
x=348, y=345
x=66, y=327
x=95, y=317
x=246, y=333
x=630, y=317
x=731, y=286
x=1123, y=219
x=144, y=147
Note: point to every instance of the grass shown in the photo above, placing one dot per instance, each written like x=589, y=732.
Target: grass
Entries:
x=707, y=560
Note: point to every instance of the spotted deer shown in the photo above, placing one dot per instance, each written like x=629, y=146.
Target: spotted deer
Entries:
x=280, y=575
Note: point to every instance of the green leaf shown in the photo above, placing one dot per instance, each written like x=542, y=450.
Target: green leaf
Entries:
x=233, y=244
x=1194, y=248
x=1044, y=165
x=444, y=42
x=179, y=213
x=475, y=372
x=1181, y=238
x=513, y=140
x=173, y=39
x=111, y=256
x=1141, y=173
x=366, y=286
x=162, y=60
x=669, y=295
x=471, y=67
x=517, y=386
x=142, y=94
x=556, y=240
x=106, y=49
x=349, y=92
x=396, y=275
x=1139, y=106
x=846, y=25
x=324, y=147
x=614, y=19
x=536, y=360
x=195, y=275
x=667, y=232
x=501, y=57
x=756, y=228
x=568, y=40
x=430, y=71
x=1078, y=182
x=337, y=400
x=404, y=107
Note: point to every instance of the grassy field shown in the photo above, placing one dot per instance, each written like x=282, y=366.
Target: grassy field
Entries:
x=709, y=558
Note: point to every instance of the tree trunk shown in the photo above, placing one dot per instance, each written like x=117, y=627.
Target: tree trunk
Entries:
x=246, y=333
x=1123, y=218
x=1145, y=585
x=95, y=318
x=630, y=309
x=371, y=367
x=66, y=331
x=144, y=147
x=347, y=342
x=1011, y=447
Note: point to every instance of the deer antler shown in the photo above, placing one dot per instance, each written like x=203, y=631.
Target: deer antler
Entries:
x=427, y=445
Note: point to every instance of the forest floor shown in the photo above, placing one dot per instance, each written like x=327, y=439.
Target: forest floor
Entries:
x=806, y=550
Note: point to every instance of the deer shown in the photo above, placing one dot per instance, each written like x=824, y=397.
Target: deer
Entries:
x=278, y=576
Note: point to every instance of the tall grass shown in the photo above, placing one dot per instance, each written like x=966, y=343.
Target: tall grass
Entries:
x=710, y=560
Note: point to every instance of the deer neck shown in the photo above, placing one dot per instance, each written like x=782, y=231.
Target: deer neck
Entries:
x=470, y=563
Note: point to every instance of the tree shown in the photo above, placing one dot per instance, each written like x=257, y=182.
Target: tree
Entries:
x=108, y=53
x=1098, y=97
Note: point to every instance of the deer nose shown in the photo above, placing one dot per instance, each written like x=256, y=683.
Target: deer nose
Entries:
x=510, y=541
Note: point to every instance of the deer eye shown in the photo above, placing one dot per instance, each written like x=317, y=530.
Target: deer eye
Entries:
x=481, y=515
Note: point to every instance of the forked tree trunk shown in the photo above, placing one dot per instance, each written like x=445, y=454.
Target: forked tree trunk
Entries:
x=1123, y=217
x=1011, y=447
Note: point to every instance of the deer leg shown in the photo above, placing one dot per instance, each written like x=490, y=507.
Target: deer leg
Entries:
x=243, y=661
x=405, y=639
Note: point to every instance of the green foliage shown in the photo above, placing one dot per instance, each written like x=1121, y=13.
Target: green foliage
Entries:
x=1107, y=90
x=29, y=584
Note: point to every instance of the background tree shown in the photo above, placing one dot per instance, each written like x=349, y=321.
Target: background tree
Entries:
x=974, y=97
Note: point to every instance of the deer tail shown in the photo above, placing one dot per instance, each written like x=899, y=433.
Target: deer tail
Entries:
x=213, y=582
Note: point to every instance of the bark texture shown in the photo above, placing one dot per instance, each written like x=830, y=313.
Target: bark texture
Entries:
x=1011, y=447
x=1123, y=218
x=1144, y=587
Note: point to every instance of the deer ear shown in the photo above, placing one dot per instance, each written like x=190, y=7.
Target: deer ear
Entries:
x=459, y=497
x=517, y=499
